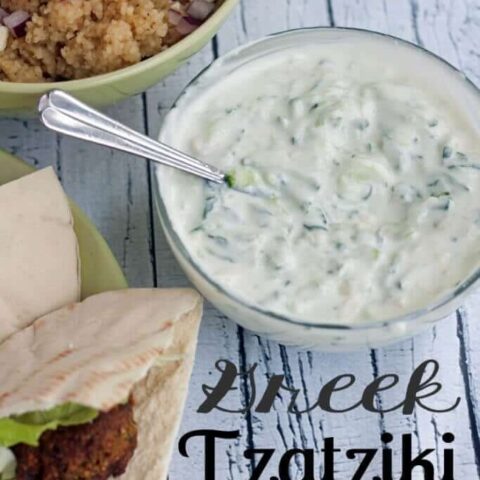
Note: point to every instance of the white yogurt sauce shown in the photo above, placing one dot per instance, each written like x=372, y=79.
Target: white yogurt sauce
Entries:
x=360, y=185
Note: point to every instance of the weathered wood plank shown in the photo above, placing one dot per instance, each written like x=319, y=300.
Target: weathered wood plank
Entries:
x=469, y=333
x=452, y=29
x=30, y=141
x=253, y=20
x=412, y=21
x=306, y=371
x=111, y=188
x=219, y=337
x=393, y=18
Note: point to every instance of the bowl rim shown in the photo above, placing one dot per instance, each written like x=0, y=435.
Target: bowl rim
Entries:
x=138, y=68
x=461, y=290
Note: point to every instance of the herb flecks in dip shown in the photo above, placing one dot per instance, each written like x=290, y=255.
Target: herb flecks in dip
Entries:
x=356, y=188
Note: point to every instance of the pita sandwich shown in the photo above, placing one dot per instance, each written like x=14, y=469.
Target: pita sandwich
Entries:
x=38, y=251
x=96, y=390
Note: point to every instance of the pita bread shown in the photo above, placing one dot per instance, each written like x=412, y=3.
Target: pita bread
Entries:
x=159, y=403
x=38, y=251
x=98, y=352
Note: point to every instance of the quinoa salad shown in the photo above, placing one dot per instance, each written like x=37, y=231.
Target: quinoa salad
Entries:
x=54, y=40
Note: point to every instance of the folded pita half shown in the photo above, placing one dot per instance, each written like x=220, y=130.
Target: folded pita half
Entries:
x=80, y=369
x=38, y=251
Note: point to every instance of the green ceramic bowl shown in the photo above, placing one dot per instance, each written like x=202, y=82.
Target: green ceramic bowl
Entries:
x=20, y=99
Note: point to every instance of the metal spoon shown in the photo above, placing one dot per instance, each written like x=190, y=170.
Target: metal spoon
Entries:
x=63, y=113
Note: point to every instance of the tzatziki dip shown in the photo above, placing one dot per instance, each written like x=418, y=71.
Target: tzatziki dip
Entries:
x=353, y=188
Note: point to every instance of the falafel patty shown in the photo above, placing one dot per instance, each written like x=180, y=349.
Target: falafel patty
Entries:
x=93, y=451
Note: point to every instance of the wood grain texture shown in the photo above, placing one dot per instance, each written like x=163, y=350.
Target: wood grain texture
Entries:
x=117, y=191
x=306, y=371
x=219, y=337
x=411, y=21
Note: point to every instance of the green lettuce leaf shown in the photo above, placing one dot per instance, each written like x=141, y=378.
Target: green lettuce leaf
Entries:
x=29, y=427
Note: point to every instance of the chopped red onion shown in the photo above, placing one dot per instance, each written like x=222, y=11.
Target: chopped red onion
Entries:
x=3, y=14
x=4, y=34
x=17, y=23
x=194, y=21
x=188, y=25
x=174, y=17
x=200, y=9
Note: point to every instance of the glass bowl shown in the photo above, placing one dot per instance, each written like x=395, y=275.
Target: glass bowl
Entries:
x=294, y=331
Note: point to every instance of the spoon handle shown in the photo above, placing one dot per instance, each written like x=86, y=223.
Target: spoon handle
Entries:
x=63, y=113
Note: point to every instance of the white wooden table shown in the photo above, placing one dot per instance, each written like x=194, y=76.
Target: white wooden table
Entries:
x=116, y=192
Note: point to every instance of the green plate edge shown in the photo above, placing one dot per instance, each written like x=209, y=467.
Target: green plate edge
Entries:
x=100, y=270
